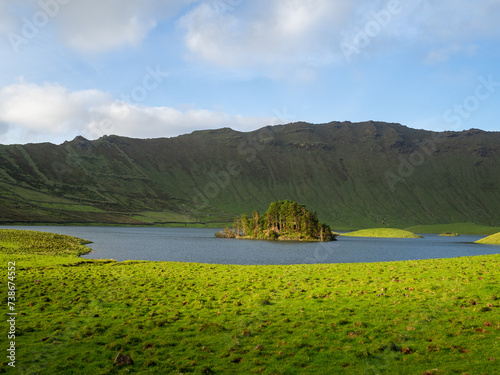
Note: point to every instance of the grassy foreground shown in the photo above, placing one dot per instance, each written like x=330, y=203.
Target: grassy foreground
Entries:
x=383, y=232
x=494, y=239
x=416, y=317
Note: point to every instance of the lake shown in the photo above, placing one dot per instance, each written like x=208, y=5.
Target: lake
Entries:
x=200, y=245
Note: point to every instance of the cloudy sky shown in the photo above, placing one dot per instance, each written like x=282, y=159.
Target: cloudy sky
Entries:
x=160, y=68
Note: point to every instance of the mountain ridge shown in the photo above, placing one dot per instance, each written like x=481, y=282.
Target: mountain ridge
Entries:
x=353, y=174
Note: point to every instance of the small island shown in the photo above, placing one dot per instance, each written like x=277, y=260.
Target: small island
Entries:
x=284, y=220
x=383, y=233
x=449, y=234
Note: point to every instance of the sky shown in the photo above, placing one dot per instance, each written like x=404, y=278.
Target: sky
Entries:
x=153, y=68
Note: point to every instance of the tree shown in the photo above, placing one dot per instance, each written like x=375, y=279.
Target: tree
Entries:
x=256, y=223
x=271, y=216
x=245, y=224
x=237, y=225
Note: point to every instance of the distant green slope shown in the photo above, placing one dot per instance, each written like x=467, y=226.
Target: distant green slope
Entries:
x=357, y=175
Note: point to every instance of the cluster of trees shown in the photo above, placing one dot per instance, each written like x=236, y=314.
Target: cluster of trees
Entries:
x=285, y=219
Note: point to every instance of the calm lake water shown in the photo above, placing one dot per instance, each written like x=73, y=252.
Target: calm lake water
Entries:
x=201, y=246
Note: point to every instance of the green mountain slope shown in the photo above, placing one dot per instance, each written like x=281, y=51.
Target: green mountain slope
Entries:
x=355, y=174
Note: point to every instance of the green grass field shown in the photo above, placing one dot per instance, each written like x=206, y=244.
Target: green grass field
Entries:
x=415, y=317
x=382, y=232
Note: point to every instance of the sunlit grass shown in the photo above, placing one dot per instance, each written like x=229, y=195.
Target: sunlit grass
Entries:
x=388, y=318
x=34, y=242
x=383, y=232
x=494, y=239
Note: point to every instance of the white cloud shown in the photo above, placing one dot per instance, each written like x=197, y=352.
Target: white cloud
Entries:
x=49, y=108
x=448, y=20
x=96, y=26
x=51, y=113
x=150, y=122
x=258, y=33
x=89, y=26
x=265, y=33
x=448, y=29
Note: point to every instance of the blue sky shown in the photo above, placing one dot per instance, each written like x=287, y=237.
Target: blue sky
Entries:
x=154, y=68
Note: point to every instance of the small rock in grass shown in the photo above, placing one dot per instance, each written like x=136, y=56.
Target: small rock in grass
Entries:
x=259, y=347
x=407, y=351
x=122, y=359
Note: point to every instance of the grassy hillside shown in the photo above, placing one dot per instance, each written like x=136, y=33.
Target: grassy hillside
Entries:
x=417, y=317
x=356, y=175
x=382, y=232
